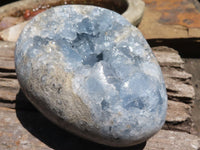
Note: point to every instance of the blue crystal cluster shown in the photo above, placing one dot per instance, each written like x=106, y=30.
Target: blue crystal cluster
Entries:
x=83, y=61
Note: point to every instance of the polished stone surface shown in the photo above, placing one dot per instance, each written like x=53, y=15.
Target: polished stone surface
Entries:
x=92, y=73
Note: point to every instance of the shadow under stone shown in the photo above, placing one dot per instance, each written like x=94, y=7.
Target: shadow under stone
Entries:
x=50, y=134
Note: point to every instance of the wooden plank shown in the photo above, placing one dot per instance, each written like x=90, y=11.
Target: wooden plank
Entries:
x=7, y=55
x=7, y=64
x=179, y=91
x=176, y=74
x=168, y=57
x=178, y=82
x=27, y=130
x=13, y=136
x=8, y=89
x=8, y=75
x=181, y=115
x=170, y=140
x=171, y=19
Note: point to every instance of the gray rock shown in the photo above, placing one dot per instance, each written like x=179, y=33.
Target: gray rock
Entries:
x=92, y=73
x=135, y=11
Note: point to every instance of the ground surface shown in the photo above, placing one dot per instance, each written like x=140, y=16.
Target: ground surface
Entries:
x=192, y=66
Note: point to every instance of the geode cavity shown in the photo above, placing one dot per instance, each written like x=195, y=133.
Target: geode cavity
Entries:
x=92, y=73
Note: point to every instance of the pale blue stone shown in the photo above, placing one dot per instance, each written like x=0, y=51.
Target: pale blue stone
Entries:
x=92, y=73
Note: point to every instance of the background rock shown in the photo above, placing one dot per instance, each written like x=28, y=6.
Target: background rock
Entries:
x=12, y=33
x=135, y=11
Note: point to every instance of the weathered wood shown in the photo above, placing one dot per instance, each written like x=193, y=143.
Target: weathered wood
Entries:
x=170, y=140
x=27, y=130
x=178, y=82
x=179, y=88
x=7, y=64
x=8, y=89
x=8, y=75
x=13, y=136
x=177, y=74
x=171, y=19
x=168, y=57
x=179, y=91
x=181, y=115
x=9, y=86
x=7, y=55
